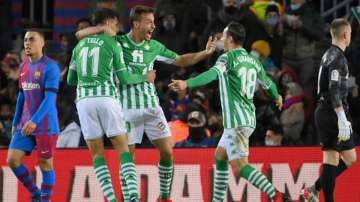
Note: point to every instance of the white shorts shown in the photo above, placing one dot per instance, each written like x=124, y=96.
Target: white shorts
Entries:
x=99, y=116
x=152, y=121
x=236, y=142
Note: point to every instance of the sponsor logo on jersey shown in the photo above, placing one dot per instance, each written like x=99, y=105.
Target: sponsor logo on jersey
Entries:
x=37, y=74
x=147, y=47
x=30, y=86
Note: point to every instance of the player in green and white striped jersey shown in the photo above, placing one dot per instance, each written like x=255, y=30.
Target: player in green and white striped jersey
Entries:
x=95, y=60
x=140, y=102
x=237, y=72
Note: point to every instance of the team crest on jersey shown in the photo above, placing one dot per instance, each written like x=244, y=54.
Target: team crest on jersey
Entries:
x=37, y=74
x=147, y=47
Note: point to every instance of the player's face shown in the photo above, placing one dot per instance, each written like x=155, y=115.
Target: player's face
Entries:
x=347, y=35
x=145, y=26
x=33, y=43
x=113, y=24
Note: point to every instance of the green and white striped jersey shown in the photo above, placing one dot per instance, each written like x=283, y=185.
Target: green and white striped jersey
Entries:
x=95, y=60
x=238, y=72
x=139, y=58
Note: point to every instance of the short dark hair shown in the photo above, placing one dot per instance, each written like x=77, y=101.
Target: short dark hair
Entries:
x=103, y=14
x=237, y=32
x=83, y=20
x=137, y=11
x=40, y=31
x=337, y=26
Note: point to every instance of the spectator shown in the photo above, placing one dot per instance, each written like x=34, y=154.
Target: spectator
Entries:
x=261, y=50
x=259, y=7
x=275, y=29
x=286, y=76
x=292, y=116
x=5, y=123
x=179, y=103
x=198, y=135
x=266, y=117
x=272, y=138
x=234, y=10
x=169, y=33
x=303, y=26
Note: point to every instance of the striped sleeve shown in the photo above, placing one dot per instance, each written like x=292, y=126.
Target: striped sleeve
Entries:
x=221, y=64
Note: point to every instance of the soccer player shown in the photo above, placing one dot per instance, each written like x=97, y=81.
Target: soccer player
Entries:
x=332, y=118
x=140, y=101
x=95, y=60
x=237, y=72
x=35, y=120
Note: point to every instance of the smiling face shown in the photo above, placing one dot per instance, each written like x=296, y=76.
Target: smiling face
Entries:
x=144, y=26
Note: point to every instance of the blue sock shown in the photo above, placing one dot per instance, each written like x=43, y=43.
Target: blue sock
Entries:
x=47, y=185
x=26, y=179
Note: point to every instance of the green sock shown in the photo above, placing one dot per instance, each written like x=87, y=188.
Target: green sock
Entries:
x=124, y=189
x=127, y=168
x=258, y=180
x=221, y=178
x=103, y=175
x=165, y=169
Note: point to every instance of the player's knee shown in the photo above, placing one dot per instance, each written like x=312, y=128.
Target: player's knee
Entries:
x=167, y=154
x=45, y=164
x=13, y=162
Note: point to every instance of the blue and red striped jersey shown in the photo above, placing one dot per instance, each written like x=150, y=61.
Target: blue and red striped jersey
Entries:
x=36, y=78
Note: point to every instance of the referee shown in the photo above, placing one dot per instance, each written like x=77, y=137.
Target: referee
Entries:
x=331, y=115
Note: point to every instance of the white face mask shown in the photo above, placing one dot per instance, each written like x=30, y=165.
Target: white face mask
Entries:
x=255, y=53
x=220, y=45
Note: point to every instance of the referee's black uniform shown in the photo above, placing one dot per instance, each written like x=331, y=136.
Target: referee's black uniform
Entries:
x=332, y=93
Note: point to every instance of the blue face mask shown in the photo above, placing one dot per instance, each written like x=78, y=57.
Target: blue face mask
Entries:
x=273, y=21
x=295, y=7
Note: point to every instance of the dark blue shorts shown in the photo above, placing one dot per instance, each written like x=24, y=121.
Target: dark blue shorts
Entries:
x=46, y=144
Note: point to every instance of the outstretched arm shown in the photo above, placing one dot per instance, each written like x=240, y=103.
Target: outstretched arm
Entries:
x=193, y=58
x=200, y=80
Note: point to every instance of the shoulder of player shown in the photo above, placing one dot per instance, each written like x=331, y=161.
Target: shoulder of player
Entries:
x=52, y=65
x=332, y=54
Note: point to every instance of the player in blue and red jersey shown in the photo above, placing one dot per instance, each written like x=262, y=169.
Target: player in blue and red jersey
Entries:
x=35, y=120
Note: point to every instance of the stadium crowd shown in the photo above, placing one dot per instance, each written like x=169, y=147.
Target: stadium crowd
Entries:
x=289, y=41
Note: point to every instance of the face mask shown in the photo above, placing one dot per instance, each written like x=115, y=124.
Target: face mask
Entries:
x=273, y=21
x=169, y=24
x=269, y=142
x=230, y=10
x=220, y=45
x=295, y=7
x=255, y=53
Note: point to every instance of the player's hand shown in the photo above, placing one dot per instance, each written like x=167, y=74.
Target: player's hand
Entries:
x=107, y=30
x=28, y=128
x=210, y=45
x=177, y=85
x=279, y=102
x=151, y=75
x=345, y=130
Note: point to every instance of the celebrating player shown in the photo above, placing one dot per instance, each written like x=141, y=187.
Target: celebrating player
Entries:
x=332, y=115
x=238, y=73
x=95, y=59
x=140, y=101
x=35, y=120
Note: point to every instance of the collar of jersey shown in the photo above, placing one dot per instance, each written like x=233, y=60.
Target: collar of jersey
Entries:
x=133, y=42
x=37, y=61
x=242, y=49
